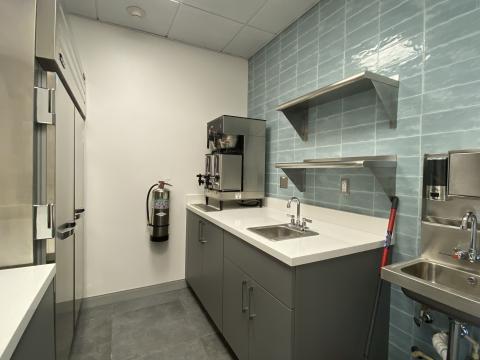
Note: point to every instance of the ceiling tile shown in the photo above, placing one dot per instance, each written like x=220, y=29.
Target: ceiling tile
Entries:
x=240, y=10
x=248, y=41
x=276, y=15
x=158, y=17
x=81, y=7
x=203, y=29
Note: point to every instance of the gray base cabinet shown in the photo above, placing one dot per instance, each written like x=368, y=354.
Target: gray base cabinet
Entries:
x=38, y=339
x=235, y=309
x=256, y=324
x=270, y=327
x=271, y=311
x=204, y=264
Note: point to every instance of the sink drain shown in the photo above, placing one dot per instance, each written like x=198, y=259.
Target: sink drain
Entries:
x=472, y=280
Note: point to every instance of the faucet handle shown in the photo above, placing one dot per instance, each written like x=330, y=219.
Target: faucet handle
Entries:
x=304, y=223
x=459, y=254
x=292, y=218
x=473, y=256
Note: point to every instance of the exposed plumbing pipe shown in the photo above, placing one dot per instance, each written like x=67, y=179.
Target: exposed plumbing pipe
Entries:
x=440, y=344
x=447, y=345
x=475, y=347
x=475, y=355
x=454, y=339
x=418, y=354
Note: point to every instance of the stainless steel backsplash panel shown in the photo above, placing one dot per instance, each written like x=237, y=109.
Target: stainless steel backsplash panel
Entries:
x=441, y=220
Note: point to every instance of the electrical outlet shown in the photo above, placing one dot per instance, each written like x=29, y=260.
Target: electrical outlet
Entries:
x=283, y=182
x=345, y=186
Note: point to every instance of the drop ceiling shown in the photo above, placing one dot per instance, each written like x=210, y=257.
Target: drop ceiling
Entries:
x=236, y=27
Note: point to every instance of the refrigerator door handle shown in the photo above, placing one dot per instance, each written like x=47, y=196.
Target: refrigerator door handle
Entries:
x=66, y=230
x=79, y=213
x=51, y=217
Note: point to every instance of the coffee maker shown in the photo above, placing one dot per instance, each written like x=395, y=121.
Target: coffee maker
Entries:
x=235, y=162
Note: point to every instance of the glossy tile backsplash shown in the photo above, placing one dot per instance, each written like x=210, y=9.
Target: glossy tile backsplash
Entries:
x=434, y=47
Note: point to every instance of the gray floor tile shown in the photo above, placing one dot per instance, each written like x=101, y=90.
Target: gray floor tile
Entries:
x=90, y=349
x=215, y=348
x=192, y=350
x=143, y=302
x=165, y=326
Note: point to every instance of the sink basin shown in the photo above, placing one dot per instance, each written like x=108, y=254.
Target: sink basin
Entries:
x=454, y=291
x=280, y=232
x=461, y=281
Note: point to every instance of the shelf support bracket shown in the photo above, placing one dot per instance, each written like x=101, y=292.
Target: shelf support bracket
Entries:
x=388, y=95
x=299, y=120
x=387, y=179
x=298, y=177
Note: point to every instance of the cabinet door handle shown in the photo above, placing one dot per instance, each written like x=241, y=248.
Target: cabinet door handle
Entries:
x=251, y=314
x=200, y=238
x=244, y=287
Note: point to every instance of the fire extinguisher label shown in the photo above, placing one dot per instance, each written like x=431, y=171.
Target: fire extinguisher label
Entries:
x=161, y=204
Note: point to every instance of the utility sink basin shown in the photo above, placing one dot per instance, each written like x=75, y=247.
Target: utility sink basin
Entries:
x=458, y=280
x=281, y=232
x=452, y=290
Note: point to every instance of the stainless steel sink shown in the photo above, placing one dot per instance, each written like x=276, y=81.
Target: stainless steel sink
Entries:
x=458, y=280
x=281, y=232
x=452, y=290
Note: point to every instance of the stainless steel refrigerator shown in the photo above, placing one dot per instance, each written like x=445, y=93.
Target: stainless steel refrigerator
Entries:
x=42, y=119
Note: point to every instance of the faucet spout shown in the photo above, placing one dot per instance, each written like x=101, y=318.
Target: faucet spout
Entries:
x=296, y=200
x=470, y=217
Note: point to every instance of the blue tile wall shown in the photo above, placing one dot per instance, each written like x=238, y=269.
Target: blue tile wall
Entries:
x=434, y=47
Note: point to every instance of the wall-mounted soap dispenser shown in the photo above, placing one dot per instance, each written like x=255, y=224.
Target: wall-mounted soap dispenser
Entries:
x=435, y=177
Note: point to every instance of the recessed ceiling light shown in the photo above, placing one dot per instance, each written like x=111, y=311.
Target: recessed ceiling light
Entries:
x=136, y=11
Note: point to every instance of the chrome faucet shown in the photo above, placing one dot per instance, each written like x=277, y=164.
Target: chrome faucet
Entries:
x=472, y=253
x=302, y=225
x=289, y=204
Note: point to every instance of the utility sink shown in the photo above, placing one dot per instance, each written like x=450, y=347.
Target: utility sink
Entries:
x=281, y=232
x=452, y=290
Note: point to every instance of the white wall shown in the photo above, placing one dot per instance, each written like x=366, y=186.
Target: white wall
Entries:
x=148, y=101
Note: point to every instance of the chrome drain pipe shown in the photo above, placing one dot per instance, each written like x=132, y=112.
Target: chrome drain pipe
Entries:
x=454, y=339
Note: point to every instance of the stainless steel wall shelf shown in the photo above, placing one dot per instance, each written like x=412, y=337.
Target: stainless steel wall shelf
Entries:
x=382, y=167
x=386, y=88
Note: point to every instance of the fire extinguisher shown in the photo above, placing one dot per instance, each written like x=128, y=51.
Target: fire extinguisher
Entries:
x=158, y=205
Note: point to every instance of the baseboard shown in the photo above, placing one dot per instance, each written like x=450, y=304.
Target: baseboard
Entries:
x=119, y=296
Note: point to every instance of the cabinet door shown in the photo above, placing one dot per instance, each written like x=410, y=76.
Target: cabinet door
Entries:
x=235, y=309
x=38, y=339
x=194, y=253
x=270, y=330
x=212, y=273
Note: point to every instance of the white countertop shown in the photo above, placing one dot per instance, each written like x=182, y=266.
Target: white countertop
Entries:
x=340, y=233
x=21, y=291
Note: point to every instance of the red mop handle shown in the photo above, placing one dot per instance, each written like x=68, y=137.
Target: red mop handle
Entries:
x=391, y=225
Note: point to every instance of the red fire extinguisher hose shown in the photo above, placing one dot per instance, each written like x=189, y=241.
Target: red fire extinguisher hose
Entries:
x=384, y=262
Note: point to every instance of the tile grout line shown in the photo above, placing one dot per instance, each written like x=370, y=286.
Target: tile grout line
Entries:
x=376, y=109
x=420, y=185
x=450, y=20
